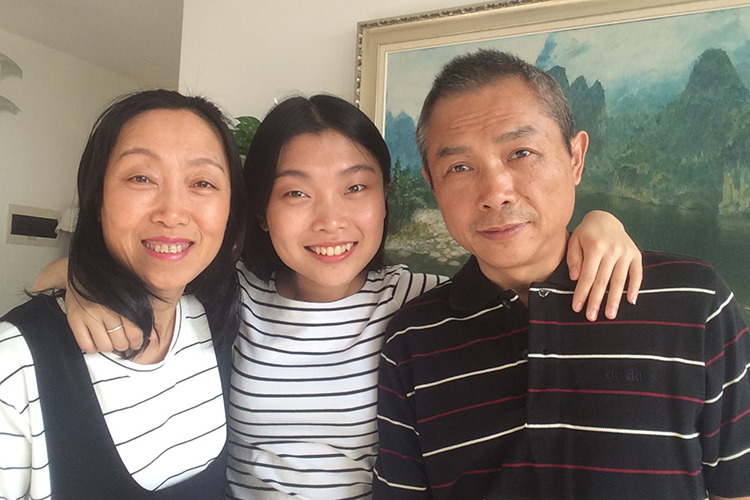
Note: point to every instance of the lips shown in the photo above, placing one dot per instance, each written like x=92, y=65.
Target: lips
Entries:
x=331, y=250
x=504, y=232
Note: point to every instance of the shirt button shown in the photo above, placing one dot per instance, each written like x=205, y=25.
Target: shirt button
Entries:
x=506, y=303
x=543, y=292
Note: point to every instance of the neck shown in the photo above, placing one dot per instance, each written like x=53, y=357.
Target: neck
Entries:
x=165, y=313
x=293, y=286
x=520, y=277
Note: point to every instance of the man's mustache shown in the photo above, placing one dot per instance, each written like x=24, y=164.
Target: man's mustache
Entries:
x=511, y=215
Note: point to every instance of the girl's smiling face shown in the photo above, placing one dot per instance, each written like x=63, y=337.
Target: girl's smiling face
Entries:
x=325, y=216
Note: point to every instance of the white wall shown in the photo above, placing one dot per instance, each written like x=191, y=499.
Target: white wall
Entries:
x=59, y=97
x=245, y=53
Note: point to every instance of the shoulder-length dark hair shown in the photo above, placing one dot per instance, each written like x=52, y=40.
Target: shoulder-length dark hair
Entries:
x=290, y=118
x=97, y=276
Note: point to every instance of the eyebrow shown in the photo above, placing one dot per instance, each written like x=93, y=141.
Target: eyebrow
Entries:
x=511, y=135
x=354, y=169
x=200, y=160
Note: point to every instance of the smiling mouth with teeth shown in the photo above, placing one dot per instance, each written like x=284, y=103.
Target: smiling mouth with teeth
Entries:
x=334, y=250
x=167, y=247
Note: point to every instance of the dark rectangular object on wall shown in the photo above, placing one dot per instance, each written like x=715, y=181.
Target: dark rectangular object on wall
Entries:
x=27, y=225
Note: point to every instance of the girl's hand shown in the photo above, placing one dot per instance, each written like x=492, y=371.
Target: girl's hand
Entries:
x=98, y=329
x=95, y=327
x=601, y=252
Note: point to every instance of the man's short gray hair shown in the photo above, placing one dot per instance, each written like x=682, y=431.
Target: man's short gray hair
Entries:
x=486, y=67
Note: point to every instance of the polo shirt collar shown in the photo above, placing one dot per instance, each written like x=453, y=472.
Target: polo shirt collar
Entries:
x=472, y=290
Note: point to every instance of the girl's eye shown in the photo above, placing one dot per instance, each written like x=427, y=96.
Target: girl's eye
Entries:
x=521, y=153
x=295, y=194
x=356, y=188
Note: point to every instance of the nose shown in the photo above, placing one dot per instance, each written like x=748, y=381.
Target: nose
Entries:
x=330, y=214
x=497, y=189
x=171, y=206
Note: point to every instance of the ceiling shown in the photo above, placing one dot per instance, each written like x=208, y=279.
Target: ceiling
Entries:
x=136, y=38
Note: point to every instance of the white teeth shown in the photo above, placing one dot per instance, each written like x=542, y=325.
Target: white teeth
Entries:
x=337, y=250
x=166, y=247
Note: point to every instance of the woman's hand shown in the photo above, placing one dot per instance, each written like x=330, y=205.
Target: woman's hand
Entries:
x=601, y=252
x=95, y=327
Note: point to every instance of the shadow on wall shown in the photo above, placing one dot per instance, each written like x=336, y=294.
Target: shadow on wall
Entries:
x=8, y=68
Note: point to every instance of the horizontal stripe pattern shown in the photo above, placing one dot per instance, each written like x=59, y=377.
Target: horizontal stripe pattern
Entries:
x=166, y=419
x=482, y=397
x=304, y=388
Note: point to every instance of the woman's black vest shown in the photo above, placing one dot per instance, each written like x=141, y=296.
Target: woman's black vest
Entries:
x=83, y=460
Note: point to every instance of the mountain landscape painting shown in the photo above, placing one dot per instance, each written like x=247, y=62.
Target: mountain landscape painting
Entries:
x=667, y=107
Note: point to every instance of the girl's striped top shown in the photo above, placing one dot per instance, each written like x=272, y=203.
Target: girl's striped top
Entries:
x=304, y=388
x=166, y=419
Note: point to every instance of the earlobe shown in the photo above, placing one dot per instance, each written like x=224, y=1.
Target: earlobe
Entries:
x=262, y=222
x=579, y=144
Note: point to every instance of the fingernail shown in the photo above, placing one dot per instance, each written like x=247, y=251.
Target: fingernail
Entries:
x=635, y=299
x=592, y=314
x=611, y=312
x=577, y=306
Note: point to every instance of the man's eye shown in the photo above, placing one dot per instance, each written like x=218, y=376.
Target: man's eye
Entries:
x=459, y=168
x=521, y=153
x=356, y=188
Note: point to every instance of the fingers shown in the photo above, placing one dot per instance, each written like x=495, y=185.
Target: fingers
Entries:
x=616, y=286
x=132, y=333
x=597, y=279
x=574, y=258
x=97, y=329
x=635, y=278
x=589, y=269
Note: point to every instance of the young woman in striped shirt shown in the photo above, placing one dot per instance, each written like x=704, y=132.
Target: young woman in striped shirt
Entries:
x=316, y=297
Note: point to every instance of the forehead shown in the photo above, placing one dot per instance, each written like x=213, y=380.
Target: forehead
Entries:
x=328, y=151
x=157, y=124
x=507, y=104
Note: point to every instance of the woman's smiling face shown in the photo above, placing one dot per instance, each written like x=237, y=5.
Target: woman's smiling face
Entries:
x=166, y=197
x=325, y=215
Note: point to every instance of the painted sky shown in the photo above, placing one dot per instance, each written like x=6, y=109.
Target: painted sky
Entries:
x=610, y=54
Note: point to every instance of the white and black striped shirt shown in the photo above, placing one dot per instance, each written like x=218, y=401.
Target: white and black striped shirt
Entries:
x=167, y=419
x=304, y=388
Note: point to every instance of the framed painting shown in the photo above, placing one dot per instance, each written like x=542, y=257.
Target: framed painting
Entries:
x=661, y=86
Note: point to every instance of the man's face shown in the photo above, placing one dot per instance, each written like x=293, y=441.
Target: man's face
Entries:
x=503, y=179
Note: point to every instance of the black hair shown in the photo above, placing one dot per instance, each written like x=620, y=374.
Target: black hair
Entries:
x=476, y=70
x=97, y=276
x=287, y=120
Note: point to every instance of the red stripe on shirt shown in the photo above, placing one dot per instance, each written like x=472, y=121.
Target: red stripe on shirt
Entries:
x=733, y=341
x=621, y=393
x=465, y=408
x=712, y=434
x=572, y=467
x=458, y=347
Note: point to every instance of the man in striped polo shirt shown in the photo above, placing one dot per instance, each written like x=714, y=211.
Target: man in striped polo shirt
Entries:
x=492, y=388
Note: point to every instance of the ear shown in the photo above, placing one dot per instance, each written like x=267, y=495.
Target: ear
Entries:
x=262, y=222
x=426, y=176
x=579, y=144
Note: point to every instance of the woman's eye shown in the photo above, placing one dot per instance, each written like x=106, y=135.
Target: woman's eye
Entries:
x=356, y=188
x=521, y=153
x=140, y=178
x=203, y=184
x=295, y=194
